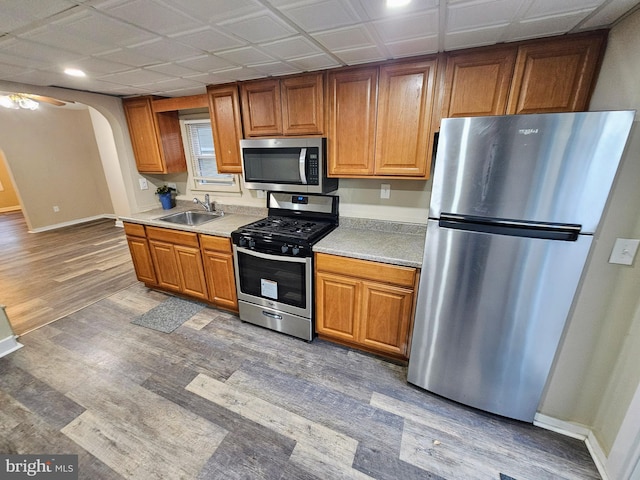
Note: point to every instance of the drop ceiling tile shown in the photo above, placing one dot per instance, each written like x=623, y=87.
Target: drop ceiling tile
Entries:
x=322, y=15
x=414, y=46
x=181, y=92
x=9, y=70
x=100, y=28
x=478, y=14
x=57, y=37
x=544, y=27
x=245, y=56
x=275, y=69
x=165, y=50
x=314, y=62
x=209, y=78
x=608, y=14
x=474, y=38
x=19, y=13
x=360, y=55
x=135, y=77
x=174, y=84
x=403, y=28
x=546, y=8
x=37, y=77
x=154, y=16
x=173, y=69
x=206, y=63
x=259, y=28
x=378, y=9
x=127, y=56
x=346, y=37
x=224, y=9
x=209, y=39
x=38, y=53
x=292, y=47
x=98, y=66
x=239, y=73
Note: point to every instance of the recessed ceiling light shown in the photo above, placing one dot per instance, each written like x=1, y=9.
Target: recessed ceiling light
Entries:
x=74, y=72
x=397, y=3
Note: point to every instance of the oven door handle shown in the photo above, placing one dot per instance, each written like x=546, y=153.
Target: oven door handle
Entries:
x=269, y=256
x=302, y=163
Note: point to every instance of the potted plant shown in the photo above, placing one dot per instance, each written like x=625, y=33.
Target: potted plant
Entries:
x=165, y=194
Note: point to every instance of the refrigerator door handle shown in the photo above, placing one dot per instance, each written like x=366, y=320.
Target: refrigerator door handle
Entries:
x=516, y=228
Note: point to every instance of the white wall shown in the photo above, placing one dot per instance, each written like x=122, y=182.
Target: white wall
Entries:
x=598, y=368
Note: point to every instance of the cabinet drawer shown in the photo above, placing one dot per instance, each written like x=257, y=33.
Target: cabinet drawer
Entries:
x=173, y=236
x=380, y=272
x=134, y=229
x=221, y=244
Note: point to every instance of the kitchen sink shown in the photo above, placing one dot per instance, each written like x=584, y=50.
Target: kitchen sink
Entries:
x=191, y=217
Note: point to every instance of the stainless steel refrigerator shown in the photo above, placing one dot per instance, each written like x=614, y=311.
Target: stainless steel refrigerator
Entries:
x=515, y=202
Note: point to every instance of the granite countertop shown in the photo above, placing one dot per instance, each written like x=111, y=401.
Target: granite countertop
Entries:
x=396, y=243
x=388, y=242
x=234, y=217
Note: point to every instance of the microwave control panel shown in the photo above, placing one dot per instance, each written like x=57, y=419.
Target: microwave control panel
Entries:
x=313, y=166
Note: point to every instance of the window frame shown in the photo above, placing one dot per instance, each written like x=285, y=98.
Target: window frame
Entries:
x=192, y=180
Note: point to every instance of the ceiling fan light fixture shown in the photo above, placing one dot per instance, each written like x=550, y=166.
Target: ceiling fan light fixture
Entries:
x=397, y=3
x=74, y=72
x=7, y=102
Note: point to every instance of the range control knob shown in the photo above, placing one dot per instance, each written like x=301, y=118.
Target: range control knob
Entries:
x=295, y=250
x=284, y=248
x=252, y=243
x=243, y=241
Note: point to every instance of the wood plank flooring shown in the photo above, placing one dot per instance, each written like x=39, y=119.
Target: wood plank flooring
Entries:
x=222, y=399
x=48, y=275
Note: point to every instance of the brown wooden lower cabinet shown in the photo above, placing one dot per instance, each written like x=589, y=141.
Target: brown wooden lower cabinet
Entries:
x=140, y=253
x=195, y=265
x=364, y=304
x=178, y=262
x=218, y=266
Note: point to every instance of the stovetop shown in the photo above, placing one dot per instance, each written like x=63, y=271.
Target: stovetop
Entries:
x=298, y=228
x=294, y=224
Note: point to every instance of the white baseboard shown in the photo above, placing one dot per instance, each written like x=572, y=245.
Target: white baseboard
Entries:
x=580, y=432
x=72, y=222
x=8, y=345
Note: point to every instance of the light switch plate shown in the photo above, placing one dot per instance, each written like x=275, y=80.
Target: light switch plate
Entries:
x=143, y=184
x=385, y=190
x=624, y=251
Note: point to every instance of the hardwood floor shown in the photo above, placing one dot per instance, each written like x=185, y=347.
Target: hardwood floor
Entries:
x=222, y=399
x=48, y=275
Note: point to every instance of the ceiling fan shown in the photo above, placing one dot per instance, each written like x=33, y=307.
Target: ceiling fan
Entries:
x=29, y=101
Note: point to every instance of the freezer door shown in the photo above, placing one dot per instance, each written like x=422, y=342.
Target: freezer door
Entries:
x=555, y=168
x=490, y=313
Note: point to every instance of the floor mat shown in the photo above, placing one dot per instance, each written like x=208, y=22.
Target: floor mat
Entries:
x=169, y=315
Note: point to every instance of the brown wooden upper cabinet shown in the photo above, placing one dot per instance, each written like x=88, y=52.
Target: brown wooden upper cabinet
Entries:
x=542, y=76
x=287, y=106
x=477, y=82
x=555, y=75
x=155, y=137
x=379, y=120
x=226, y=125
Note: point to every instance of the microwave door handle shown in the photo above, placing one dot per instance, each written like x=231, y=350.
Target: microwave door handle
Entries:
x=302, y=161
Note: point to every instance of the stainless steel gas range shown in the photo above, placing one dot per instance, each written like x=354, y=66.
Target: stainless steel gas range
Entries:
x=274, y=261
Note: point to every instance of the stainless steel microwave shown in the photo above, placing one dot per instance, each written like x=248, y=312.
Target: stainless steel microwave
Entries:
x=286, y=165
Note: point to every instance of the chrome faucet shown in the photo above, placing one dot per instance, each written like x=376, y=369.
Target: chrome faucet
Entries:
x=208, y=206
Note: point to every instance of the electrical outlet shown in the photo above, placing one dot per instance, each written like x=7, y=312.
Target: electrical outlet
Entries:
x=624, y=251
x=144, y=185
x=385, y=190
x=56, y=208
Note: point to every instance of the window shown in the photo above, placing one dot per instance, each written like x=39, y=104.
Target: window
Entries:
x=201, y=159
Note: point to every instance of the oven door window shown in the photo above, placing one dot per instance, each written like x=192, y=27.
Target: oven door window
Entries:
x=278, y=280
x=272, y=165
